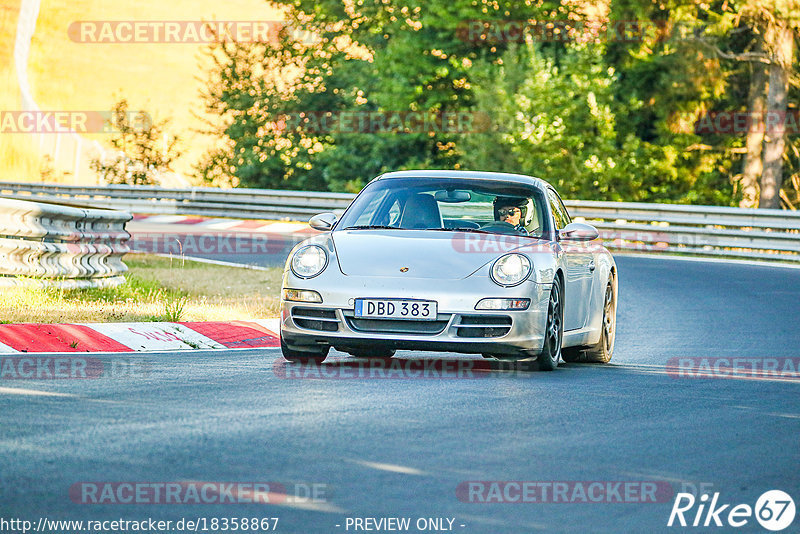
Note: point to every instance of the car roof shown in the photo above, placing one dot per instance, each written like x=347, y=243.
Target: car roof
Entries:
x=476, y=175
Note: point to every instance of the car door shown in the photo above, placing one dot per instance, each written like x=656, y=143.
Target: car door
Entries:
x=579, y=266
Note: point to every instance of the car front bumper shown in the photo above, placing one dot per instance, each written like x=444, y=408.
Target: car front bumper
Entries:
x=459, y=327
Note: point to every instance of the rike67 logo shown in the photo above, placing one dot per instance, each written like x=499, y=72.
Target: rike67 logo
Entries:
x=774, y=510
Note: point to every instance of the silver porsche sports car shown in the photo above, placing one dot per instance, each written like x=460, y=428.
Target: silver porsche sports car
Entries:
x=472, y=262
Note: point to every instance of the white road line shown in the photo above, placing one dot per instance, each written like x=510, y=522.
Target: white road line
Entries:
x=220, y=225
x=33, y=392
x=756, y=263
x=282, y=227
x=163, y=219
x=392, y=468
x=224, y=263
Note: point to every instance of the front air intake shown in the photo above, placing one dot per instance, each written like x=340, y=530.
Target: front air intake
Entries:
x=315, y=319
x=483, y=326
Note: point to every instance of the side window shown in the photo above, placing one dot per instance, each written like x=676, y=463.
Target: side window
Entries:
x=394, y=214
x=559, y=211
x=564, y=212
x=369, y=213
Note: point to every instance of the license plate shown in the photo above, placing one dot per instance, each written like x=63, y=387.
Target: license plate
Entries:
x=419, y=310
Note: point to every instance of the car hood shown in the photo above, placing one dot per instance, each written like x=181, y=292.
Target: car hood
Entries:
x=425, y=254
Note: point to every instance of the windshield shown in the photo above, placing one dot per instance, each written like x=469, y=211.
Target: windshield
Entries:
x=449, y=204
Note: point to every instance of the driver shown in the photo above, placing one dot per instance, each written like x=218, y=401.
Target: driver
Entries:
x=516, y=211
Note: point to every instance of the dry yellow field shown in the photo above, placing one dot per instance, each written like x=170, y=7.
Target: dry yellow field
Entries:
x=163, y=79
x=19, y=156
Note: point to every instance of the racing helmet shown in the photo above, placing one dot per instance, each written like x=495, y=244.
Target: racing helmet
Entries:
x=524, y=204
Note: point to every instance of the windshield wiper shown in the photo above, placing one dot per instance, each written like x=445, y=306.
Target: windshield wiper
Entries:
x=467, y=229
x=373, y=227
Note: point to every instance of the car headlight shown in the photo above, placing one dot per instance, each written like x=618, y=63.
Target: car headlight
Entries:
x=511, y=270
x=309, y=261
x=503, y=304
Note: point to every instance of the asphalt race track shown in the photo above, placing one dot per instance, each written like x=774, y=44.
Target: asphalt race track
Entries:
x=248, y=248
x=386, y=448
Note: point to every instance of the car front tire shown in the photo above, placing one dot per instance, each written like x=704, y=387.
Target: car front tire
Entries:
x=554, y=330
x=298, y=356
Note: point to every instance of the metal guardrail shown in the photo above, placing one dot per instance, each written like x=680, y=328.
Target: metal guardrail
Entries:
x=207, y=201
x=61, y=245
x=694, y=230
x=624, y=226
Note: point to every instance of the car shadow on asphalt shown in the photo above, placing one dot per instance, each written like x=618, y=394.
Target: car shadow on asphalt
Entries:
x=344, y=367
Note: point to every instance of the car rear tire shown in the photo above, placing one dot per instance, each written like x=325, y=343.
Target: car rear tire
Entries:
x=554, y=330
x=298, y=356
x=572, y=354
x=604, y=349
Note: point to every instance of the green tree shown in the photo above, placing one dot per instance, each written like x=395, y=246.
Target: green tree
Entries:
x=387, y=57
x=565, y=122
x=608, y=119
x=141, y=155
x=726, y=58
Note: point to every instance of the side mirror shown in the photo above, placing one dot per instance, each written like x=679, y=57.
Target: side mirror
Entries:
x=323, y=222
x=577, y=231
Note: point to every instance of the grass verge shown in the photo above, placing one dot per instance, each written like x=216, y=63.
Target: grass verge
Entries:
x=157, y=289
